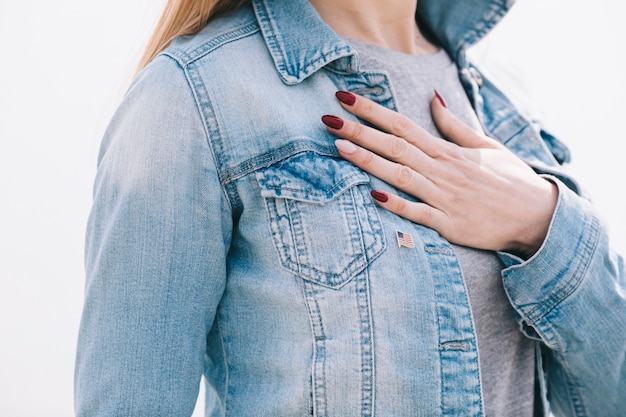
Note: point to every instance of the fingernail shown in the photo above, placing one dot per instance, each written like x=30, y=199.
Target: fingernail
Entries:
x=333, y=122
x=440, y=98
x=379, y=196
x=346, y=97
x=345, y=146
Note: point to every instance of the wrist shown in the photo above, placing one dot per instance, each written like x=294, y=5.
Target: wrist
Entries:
x=533, y=234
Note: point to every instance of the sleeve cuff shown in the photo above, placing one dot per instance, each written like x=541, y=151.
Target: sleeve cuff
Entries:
x=537, y=285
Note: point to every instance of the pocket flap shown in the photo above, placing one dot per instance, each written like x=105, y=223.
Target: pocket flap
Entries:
x=308, y=177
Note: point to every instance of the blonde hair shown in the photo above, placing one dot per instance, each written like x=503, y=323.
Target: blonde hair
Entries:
x=183, y=17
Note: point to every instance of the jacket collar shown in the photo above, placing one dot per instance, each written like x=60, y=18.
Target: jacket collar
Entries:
x=301, y=43
x=455, y=25
x=299, y=40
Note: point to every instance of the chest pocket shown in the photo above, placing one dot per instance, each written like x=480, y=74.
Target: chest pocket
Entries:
x=324, y=224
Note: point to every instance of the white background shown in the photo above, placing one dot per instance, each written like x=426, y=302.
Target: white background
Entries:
x=64, y=66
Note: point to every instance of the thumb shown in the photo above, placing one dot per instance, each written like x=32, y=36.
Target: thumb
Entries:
x=454, y=129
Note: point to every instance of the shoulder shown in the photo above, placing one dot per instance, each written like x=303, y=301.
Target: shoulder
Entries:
x=219, y=33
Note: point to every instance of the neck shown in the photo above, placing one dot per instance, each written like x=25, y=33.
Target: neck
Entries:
x=387, y=23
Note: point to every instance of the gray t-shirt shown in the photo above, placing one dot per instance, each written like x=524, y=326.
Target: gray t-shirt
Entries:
x=506, y=357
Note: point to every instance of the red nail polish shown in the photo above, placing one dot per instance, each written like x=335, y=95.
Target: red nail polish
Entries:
x=333, y=122
x=346, y=97
x=440, y=98
x=379, y=196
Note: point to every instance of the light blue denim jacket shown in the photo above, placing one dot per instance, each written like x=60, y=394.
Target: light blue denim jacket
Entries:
x=228, y=239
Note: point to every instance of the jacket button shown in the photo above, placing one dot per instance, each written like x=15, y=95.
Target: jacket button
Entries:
x=476, y=75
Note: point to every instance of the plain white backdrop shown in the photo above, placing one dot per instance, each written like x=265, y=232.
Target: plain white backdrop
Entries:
x=65, y=65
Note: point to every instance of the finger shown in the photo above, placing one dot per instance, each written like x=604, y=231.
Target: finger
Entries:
x=388, y=120
x=398, y=175
x=387, y=145
x=454, y=129
x=416, y=212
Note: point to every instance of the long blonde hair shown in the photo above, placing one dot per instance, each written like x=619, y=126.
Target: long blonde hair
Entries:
x=183, y=17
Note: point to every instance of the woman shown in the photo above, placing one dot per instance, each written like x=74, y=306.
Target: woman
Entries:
x=389, y=273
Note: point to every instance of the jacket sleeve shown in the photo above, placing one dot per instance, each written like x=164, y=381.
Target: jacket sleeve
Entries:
x=156, y=241
x=571, y=295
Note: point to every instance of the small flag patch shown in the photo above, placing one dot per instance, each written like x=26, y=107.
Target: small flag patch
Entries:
x=404, y=239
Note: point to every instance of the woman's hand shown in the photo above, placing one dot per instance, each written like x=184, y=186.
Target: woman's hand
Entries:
x=473, y=190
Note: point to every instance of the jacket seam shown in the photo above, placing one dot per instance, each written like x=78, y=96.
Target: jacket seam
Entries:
x=226, y=368
x=575, y=399
x=187, y=57
x=541, y=311
x=267, y=159
x=193, y=80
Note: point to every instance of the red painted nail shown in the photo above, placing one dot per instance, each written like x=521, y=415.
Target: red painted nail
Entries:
x=346, y=97
x=333, y=122
x=440, y=98
x=379, y=196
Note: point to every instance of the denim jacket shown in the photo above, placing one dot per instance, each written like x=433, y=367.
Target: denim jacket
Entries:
x=229, y=240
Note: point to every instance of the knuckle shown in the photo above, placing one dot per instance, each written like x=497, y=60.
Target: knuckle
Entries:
x=366, y=108
x=401, y=125
x=397, y=147
x=404, y=175
x=436, y=152
x=367, y=159
x=356, y=131
x=447, y=151
x=402, y=207
x=455, y=123
x=424, y=216
x=453, y=127
x=454, y=152
x=458, y=178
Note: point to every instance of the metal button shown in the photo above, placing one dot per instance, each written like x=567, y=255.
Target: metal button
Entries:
x=476, y=75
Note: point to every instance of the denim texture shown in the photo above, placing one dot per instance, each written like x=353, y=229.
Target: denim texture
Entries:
x=229, y=239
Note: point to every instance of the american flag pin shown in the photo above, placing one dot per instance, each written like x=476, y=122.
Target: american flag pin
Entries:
x=404, y=239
